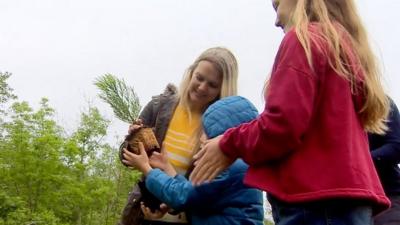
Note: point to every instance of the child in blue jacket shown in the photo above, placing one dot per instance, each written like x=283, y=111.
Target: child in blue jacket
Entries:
x=225, y=200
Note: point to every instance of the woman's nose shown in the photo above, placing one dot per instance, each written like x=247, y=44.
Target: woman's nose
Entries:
x=203, y=86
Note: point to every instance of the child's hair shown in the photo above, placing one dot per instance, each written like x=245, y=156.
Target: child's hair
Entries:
x=227, y=113
x=341, y=29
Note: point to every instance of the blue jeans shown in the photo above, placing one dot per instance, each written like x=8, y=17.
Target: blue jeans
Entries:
x=327, y=212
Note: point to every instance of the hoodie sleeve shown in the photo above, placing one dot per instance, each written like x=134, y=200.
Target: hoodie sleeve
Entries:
x=287, y=114
x=387, y=150
x=179, y=193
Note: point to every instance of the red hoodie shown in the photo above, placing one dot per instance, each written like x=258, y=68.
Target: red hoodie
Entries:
x=308, y=144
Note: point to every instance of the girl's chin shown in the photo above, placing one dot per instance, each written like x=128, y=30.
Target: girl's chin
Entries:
x=195, y=100
x=194, y=97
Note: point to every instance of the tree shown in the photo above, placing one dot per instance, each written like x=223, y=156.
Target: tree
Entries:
x=103, y=183
x=5, y=95
x=30, y=159
x=50, y=178
x=5, y=90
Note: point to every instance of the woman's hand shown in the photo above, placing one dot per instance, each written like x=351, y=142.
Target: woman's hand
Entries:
x=140, y=162
x=149, y=215
x=209, y=162
x=160, y=160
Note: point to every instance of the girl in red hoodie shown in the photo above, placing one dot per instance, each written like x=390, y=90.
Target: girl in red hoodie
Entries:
x=308, y=149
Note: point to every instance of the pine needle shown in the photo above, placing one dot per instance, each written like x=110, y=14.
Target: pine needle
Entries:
x=122, y=98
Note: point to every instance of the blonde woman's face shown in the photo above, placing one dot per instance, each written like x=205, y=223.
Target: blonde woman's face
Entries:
x=284, y=10
x=205, y=85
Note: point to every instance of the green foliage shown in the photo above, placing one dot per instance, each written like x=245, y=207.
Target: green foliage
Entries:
x=5, y=90
x=50, y=178
x=5, y=96
x=8, y=205
x=122, y=98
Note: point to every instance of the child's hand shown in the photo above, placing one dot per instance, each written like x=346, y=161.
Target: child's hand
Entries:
x=136, y=125
x=140, y=162
x=160, y=160
x=148, y=214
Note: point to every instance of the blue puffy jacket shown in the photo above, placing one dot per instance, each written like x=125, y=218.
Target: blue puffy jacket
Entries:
x=225, y=200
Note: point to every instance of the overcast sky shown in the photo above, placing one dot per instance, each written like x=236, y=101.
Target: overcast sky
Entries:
x=56, y=48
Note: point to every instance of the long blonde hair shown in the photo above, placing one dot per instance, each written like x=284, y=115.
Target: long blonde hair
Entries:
x=226, y=64
x=342, y=30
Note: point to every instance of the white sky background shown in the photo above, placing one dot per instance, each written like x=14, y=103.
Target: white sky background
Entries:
x=56, y=48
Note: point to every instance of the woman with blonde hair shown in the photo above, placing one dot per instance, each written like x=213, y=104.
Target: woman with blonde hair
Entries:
x=223, y=201
x=308, y=149
x=176, y=117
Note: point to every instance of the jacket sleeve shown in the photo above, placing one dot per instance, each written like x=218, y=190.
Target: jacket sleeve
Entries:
x=179, y=193
x=389, y=151
x=289, y=98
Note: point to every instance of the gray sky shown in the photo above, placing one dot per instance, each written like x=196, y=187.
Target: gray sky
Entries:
x=56, y=48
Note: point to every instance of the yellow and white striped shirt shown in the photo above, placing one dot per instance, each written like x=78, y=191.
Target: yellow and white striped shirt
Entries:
x=178, y=141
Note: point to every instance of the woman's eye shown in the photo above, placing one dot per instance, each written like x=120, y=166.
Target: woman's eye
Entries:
x=212, y=85
x=199, y=77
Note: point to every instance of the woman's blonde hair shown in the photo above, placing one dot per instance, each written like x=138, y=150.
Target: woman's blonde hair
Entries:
x=342, y=30
x=226, y=64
